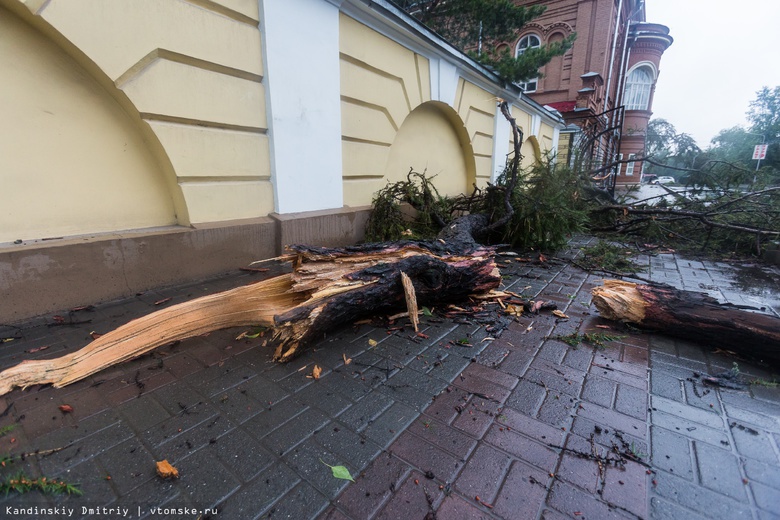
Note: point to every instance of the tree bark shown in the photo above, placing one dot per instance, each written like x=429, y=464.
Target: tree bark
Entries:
x=326, y=288
x=692, y=316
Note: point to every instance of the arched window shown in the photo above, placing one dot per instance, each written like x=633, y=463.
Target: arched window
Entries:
x=529, y=41
x=638, y=86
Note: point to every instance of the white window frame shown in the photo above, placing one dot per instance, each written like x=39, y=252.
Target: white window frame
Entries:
x=636, y=95
x=630, y=165
x=532, y=84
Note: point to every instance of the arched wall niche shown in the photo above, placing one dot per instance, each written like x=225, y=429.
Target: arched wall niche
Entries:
x=433, y=139
x=76, y=157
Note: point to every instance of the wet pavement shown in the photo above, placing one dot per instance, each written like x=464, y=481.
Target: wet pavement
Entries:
x=457, y=422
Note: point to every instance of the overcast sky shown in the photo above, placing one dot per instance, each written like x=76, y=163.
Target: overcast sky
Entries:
x=723, y=53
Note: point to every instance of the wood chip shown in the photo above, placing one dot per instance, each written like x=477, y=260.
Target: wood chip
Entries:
x=411, y=300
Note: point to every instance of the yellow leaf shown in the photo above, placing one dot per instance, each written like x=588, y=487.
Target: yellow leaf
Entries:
x=347, y=361
x=315, y=373
x=165, y=470
x=560, y=314
x=372, y=342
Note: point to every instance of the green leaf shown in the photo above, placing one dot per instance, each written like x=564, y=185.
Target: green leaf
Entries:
x=426, y=311
x=339, y=471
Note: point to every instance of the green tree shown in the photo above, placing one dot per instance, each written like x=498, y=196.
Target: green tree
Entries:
x=734, y=145
x=665, y=145
x=764, y=114
x=480, y=27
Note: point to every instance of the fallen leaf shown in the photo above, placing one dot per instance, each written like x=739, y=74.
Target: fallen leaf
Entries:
x=536, y=306
x=347, y=361
x=427, y=312
x=316, y=372
x=58, y=319
x=372, y=342
x=604, y=327
x=37, y=349
x=247, y=335
x=66, y=408
x=164, y=300
x=560, y=314
x=95, y=335
x=165, y=470
x=339, y=471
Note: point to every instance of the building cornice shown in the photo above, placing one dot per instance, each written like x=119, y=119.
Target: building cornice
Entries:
x=394, y=23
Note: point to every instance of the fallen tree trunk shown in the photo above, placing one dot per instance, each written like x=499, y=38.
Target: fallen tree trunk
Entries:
x=326, y=288
x=692, y=316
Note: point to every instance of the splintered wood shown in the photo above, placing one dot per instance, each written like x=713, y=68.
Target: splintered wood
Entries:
x=691, y=315
x=411, y=300
x=327, y=288
x=620, y=301
x=253, y=304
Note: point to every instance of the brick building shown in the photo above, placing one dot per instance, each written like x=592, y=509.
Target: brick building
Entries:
x=614, y=63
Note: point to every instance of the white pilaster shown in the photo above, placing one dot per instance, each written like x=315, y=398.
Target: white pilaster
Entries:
x=502, y=134
x=555, y=140
x=536, y=125
x=444, y=81
x=301, y=52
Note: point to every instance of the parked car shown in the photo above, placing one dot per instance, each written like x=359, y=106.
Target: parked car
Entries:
x=664, y=180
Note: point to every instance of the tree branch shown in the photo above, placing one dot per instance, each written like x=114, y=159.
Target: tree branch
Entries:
x=517, y=139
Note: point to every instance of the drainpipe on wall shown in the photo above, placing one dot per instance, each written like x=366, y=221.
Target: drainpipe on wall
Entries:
x=479, y=47
x=612, y=55
x=624, y=60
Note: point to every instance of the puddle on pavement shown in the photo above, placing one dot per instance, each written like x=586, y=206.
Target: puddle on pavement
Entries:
x=759, y=282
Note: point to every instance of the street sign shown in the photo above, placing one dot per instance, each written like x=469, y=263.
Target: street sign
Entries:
x=759, y=152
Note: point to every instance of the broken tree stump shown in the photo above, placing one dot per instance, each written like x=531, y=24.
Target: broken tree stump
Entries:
x=691, y=315
x=326, y=288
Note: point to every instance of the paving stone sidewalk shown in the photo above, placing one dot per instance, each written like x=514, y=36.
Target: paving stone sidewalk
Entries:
x=448, y=424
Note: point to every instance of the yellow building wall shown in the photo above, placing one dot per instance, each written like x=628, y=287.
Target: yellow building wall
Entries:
x=390, y=125
x=477, y=108
x=564, y=148
x=546, y=134
x=72, y=160
x=529, y=149
x=181, y=85
x=189, y=76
